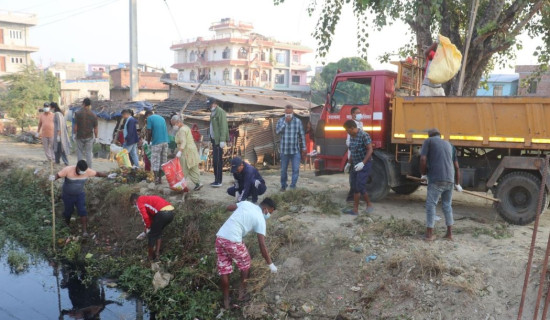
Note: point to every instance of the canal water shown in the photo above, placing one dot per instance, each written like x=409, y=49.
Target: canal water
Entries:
x=47, y=291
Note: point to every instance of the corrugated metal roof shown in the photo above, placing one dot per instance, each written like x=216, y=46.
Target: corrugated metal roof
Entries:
x=503, y=77
x=244, y=95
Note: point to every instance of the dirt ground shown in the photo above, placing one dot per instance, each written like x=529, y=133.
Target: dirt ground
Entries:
x=325, y=274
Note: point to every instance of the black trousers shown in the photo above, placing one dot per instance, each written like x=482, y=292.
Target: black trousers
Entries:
x=217, y=161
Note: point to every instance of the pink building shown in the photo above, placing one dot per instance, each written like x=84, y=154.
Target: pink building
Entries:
x=237, y=56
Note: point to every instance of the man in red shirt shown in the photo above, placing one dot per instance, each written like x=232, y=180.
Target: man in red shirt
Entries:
x=157, y=213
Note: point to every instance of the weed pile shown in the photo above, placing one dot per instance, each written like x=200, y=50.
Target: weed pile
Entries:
x=298, y=198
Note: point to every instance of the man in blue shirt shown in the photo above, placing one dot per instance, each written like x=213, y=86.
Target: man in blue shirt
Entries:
x=131, y=137
x=293, y=145
x=157, y=136
x=248, y=181
x=360, y=160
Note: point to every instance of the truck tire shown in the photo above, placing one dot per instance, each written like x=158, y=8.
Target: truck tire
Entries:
x=518, y=193
x=377, y=184
x=406, y=189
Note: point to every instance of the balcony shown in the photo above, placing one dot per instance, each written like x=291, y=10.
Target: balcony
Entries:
x=11, y=47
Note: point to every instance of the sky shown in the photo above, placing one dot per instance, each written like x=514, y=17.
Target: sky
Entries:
x=96, y=31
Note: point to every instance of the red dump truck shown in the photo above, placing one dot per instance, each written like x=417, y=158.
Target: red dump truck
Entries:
x=501, y=141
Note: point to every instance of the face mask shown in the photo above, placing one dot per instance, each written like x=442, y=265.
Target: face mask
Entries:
x=288, y=116
x=46, y=109
x=212, y=109
x=266, y=216
x=359, y=117
x=80, y=172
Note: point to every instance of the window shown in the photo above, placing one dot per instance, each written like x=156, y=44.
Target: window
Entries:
x=226, y=54
x=226, y=74
x=296, y=58
x=245, y=75
x=532, y=87
x=93, y=94
x=255, y=75
x=16, y=34
x=58, y=75
x=181, y=76
x=242, y=53
x=497, y=91
x=264, y=76
x=16, y=60
x=280, y=79
x=193, y=56
x=280, y=58
x=238, y=75
x=295, y=80
x=353, y=92
x=263, y=56
x=192, y=75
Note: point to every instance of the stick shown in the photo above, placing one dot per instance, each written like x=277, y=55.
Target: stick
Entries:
x=191, y=97
x=464, y=191
x=53, y=208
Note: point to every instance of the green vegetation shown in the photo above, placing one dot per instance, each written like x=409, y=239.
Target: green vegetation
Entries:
x=18, y=261
x=293, y=200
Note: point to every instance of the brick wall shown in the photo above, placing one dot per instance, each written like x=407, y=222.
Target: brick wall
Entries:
x=543, y=84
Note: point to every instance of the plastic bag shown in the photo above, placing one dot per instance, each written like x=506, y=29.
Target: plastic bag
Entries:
x=123, y=159
x=174, y=175
x=446, y=62
x=115, y=149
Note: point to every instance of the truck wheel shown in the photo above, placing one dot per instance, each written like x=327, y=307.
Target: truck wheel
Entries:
x=518, y=193
x=406, y=188
x=377, y=184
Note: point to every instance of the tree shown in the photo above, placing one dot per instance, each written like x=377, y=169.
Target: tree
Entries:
x=494, y=40
x=320, y=82
x=26, y=91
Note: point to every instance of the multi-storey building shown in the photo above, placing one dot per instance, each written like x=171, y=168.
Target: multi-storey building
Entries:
x=539, y=84
x=15, y=50
x=237, y=56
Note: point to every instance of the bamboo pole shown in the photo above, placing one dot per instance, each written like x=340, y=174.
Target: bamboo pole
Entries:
x=463, y=191
x=473, y=13
x=53, y=208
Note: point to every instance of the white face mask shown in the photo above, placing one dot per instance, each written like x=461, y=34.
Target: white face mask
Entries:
x=266, y=216
x=359, y=117
x=288, y=116
x=46, y=109
x=213, y=108
x=80, y=172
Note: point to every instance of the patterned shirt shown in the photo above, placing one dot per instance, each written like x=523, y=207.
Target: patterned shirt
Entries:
x=86, y=122
x=293, y=139
x=358, y=147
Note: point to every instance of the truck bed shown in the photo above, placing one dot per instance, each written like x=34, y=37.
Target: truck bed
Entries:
x=487, y=122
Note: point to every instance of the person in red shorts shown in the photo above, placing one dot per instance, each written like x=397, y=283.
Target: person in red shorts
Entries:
x=157, y=213
x=229, y=242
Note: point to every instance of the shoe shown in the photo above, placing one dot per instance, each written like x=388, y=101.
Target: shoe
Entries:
x=197, y=187
x=216, y=184
x=350, y=212
x=283, y=189
x=370, y=210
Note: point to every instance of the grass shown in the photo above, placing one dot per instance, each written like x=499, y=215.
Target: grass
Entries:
x=393, y=227
x=18, y=261
x=498, y=231
x=299, y=198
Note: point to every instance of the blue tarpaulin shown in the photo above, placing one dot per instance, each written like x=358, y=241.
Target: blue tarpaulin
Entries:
x=109, y=110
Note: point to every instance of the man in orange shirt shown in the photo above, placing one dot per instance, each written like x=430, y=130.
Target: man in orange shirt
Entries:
x=45, y=123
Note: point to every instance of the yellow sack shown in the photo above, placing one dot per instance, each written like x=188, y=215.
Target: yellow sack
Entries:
x=123, y=159
x=445, y=63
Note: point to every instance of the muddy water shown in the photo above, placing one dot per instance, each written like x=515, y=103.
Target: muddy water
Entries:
x=46, y=291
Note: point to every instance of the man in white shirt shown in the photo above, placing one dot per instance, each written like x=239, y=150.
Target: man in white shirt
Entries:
x=229, y=242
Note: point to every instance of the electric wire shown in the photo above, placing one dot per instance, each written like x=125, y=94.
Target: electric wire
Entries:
x=103, y=4
x=173, y=19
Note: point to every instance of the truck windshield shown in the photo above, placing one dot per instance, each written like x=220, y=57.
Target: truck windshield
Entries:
x=351, y=92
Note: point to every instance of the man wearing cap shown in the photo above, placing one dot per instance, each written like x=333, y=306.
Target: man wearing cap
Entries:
x=46, y=131
x=131, y=137
x=231, y=248
x=219, y=135
x=73, y=190
x=439, y=168
x=157, y=136
x=187, y=151
x=85, y=127
x=293, y=145
x=248, y=181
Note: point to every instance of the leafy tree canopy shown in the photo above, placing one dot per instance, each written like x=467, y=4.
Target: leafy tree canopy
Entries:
x=495, y=34
x=26, y=91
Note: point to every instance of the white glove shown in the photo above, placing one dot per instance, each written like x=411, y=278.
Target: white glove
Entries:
x=236, y=184
x=222, y=144
x=96, y=140
x=141, y=236
x=145, y=142
x=147, y=230
x=51, y=178
x=359, y=166
x=458, y=187
x=37, y=135
x=424, y=178
x=346, y=168
x=178, y=155
x=257, y=183
x=237, y=195
x=112, y=175
x=273, y=268
x=58, y=138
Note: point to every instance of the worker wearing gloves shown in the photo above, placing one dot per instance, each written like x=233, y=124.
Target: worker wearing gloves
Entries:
x=156, y=213
x=248, y=181
x=73, y=190
x=360, y=160
x=357, y=117
x=229, y=242
x=187, y=151
x=439, y=167
x=219, y=135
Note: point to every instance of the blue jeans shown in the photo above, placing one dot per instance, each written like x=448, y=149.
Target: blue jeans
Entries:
x=436, y=190
x=285, y=158
x=132, y=151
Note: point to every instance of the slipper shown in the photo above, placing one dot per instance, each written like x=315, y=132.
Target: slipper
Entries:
x=350, y=212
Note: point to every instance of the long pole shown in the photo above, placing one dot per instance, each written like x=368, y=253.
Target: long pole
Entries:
x=475, y=5
x=53, y=207
x=134, y=88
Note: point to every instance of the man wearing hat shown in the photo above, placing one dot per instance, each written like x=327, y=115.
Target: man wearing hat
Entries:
x=219, y=135
x=439, y=168
x=46, y=131
x=248, y=181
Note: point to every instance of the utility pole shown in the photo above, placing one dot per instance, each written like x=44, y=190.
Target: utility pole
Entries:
x=473, y=14
x=134, y=87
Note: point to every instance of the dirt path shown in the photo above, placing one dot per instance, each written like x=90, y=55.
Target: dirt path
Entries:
x=324, y=273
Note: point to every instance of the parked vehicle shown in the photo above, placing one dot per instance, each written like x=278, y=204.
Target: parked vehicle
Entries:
x=501, y=141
